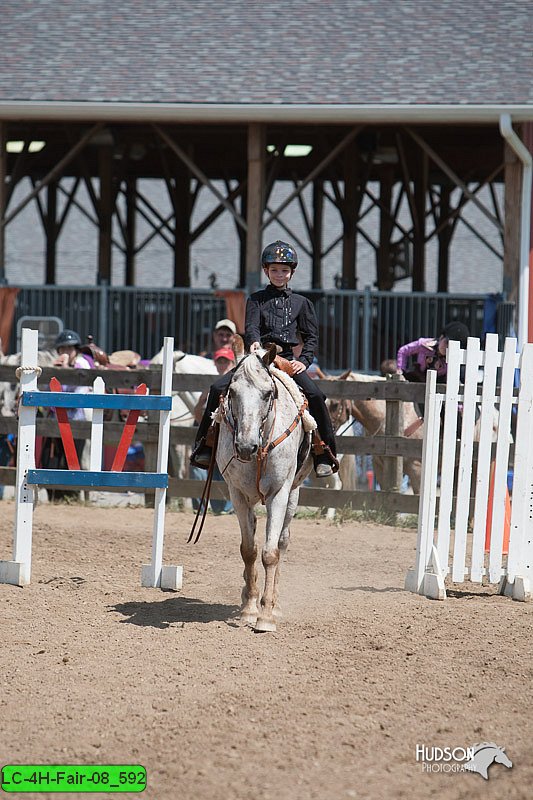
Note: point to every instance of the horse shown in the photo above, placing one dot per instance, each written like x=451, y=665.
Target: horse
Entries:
x=372, y=414
x=264, y=455
x=184, y=403
x=485, y=754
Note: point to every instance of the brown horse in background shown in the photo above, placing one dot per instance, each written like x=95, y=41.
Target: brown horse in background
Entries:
x=372, y=415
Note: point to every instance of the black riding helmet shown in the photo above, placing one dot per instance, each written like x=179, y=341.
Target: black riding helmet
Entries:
x=457, y=331
x=68, y=339
x=279, y=253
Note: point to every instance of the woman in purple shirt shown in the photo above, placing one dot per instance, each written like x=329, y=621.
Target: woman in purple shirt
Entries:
x=430, y=353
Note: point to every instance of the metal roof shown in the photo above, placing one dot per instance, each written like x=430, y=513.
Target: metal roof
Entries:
x=334, y=60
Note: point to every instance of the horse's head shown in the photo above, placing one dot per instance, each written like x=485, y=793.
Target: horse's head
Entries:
x=250, y=400
x=340, y=411
x=501, y=757
x=485, y=754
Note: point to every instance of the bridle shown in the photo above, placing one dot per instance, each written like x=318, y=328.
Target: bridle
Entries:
x=343, y=409
x=227, y=413
x=265, y=449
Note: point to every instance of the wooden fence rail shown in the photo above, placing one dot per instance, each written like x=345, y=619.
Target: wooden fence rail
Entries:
x=391, y=446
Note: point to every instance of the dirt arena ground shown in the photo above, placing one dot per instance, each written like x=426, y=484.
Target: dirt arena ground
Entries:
x=97, y=670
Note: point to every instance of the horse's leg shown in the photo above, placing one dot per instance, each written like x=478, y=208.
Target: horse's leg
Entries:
x=377, y=463
x=247, y=523
x=277, y=507
x=413, y=470
x=283, y=544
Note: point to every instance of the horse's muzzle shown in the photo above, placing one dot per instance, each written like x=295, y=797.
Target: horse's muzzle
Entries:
x=245, y=452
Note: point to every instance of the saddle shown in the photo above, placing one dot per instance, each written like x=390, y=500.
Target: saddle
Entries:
x=98, y=355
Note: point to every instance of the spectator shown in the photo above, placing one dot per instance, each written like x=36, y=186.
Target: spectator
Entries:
x=224, y=359
x=430, y=353
x=68, y=345
x=223, y=336
x=388, y=366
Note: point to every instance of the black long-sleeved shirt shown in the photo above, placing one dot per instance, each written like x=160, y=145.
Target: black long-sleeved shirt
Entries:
x=278, y=315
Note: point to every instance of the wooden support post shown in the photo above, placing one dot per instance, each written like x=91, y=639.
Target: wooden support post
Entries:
x=419, y=245
x=445, y=237
x=317, y=233
x=131, y=207
x=255, y=205
x=182, y=232
x=393, y=465
x=349, y=217
x=386, y=225
x=511, y=253
x=105, y=165
x=3, y=200
x=242, y=240
x=51, y=231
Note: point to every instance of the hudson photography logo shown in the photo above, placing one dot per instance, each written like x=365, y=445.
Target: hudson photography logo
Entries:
x=476, y=758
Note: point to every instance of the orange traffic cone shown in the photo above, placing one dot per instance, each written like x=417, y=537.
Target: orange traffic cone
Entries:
x=507, y=520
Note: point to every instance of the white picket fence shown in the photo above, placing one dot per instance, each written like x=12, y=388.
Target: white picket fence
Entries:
x=451, y=542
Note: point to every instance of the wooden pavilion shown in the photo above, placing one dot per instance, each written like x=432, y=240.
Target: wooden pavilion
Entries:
x=418, y=98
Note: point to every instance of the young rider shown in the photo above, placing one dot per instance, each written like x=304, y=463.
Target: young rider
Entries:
x=277, y=315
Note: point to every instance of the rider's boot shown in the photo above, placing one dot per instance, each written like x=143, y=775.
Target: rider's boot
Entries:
x=325, y=462
x=203, y=452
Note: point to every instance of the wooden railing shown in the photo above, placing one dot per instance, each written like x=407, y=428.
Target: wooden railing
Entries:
x=392, y=446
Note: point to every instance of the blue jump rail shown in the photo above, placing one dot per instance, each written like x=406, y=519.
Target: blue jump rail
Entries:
x=125, y=480
x=122, y=401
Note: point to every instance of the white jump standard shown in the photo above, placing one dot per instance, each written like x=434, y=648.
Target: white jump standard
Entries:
x=18, y=571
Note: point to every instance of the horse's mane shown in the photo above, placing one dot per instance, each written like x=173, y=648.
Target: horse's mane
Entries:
x=251, y=367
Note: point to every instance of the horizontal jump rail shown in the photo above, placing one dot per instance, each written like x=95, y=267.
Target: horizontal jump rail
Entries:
x=118, y=401
x=89, y=479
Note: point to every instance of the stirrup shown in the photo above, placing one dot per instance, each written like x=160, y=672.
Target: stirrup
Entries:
x=201, y=456
x=323, y=470
x=322, y=455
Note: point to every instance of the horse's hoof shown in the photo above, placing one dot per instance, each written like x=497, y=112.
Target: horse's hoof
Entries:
x=248, y=619
x=277, y=613
x=265, y=626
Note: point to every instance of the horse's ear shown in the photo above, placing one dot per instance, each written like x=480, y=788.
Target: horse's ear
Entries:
x=344, y=375
x=271, y=354
x=238, y=346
